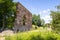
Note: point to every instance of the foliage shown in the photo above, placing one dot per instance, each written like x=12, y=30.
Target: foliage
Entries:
x=34, y=35
x=55, y=20
x=58, y=7
x=42, y=22
x=7, y=10
x=36, y=20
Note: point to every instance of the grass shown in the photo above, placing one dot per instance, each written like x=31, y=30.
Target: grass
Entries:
x=34, y=35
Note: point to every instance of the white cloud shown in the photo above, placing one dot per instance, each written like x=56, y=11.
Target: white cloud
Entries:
x=44, y=11
x=40, y=12
x=47, y=18
x=48, y=9
x=45, y=14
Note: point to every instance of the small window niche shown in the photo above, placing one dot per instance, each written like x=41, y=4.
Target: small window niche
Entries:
x=24, y=20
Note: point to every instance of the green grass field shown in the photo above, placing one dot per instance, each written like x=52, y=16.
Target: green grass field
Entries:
x=34, y=35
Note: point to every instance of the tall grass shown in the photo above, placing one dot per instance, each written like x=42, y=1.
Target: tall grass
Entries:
x=32, y=35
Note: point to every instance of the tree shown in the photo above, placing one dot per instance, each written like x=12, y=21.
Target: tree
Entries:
x=6, y=12
x=58, y=7
x=36, y=20
x=39, y=21
x=11, y=16
x=42, y=22
x=55, y=20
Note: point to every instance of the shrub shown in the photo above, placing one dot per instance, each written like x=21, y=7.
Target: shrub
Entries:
x=36, y=37
x=33, y=35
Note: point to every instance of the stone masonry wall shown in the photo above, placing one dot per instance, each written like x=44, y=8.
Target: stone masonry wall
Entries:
x=23, y=20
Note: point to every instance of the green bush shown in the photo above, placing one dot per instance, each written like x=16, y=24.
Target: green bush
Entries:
x=34, y=35
x=51, y=37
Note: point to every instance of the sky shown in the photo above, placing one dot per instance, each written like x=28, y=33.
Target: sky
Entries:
x=40, y=7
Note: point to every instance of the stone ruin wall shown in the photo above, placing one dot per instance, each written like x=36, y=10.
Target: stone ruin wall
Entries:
x=21, y=12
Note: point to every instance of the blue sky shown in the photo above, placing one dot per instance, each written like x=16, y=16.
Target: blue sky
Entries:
x=41, y=7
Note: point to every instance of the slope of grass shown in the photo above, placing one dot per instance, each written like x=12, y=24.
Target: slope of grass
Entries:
x=34, y=35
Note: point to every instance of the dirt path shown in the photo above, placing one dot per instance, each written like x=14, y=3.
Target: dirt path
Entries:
x=6, y=32
x=2, y=38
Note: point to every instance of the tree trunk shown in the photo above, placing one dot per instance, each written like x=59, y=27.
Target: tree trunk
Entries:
x=3, y=26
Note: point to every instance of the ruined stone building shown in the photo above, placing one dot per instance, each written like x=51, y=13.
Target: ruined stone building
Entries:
x=23, y=20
